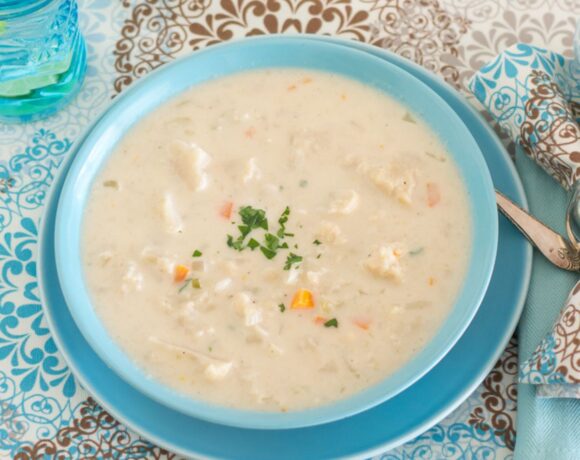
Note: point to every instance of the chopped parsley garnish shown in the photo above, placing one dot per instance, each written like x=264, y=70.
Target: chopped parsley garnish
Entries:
x=253, y=244
x=195, y=283
x=255, y=219
x=303, y=183
x=282, y=307
x=268, y=253
x=197, y=253
x=292, y=259
x=318, y=256
x=282, y=222
x=252, y=219
x=317, y=242
x=331, y=323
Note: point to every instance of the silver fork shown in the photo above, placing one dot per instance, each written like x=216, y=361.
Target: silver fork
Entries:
x=562, y=252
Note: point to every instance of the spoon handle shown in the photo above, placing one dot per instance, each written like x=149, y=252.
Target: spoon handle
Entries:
x=554, y=247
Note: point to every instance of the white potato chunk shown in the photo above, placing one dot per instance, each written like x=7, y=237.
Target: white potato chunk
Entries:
x=222, y=285
x=330, y=233
x=384, y=261
x=218, y=371
x=188, y=313
x=315, y=276
x=132, y=279
x=346, y=203
x=293, y=275
x=164, y=264
x=252, y=172
x=171, y=216
x=245, y=307
x=190, y=162
x=400, y=186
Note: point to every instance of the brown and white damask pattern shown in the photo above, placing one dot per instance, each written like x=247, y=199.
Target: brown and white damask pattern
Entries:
x=550, y=134
x=421, y=31
x=499, y=398
x=94, y=434
x=555, y=360
x=484, y=41
x=160, y=30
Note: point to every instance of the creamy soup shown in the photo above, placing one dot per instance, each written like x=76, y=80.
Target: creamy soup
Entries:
x=276, y=240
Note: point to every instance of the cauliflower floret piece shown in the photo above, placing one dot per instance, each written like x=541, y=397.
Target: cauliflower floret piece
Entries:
x=346, y=203
x=218, y=371
x=132, y=279
x=171, y=217
x=245, y=307
x=330, y=233
x=384, y=261
x=252, y=171
x=190, y=162
x=401, y=186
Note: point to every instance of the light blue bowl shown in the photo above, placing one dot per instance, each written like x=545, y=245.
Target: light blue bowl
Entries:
x=270, y=52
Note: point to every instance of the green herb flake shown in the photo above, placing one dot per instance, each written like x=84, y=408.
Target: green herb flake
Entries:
x=253, y=244
x=195, y=283
x=331, y=323
x=291, y=260
x=303, y=183
x=270, y=254
x=317, y=242
x=416, y=251
x=282, y=222
x=318, y=256
x=253, y=218
x=197, y=253
x=282, y=307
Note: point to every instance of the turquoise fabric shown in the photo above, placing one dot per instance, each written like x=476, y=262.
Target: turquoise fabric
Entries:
x=547, y=428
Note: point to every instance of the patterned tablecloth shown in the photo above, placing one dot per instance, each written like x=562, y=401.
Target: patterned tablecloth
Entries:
x=44, y=413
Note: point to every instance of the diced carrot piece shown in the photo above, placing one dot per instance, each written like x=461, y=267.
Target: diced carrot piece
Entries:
x=432, y=281
x=249, y=133
x=226, y=210
x=320, y=320
x=180, y=273
x=362, y=324
x=291, y=87
x=307, y=80
x=302, y=299
x=433, y=194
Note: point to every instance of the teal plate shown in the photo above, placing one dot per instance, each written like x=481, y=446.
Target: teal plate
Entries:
x=381, y=428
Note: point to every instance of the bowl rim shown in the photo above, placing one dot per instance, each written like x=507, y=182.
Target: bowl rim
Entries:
x=240, y=56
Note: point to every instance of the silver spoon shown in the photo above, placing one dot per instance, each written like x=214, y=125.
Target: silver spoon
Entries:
x=562, y=252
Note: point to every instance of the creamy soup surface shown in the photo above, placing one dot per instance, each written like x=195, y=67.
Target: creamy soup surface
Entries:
x=276, y=240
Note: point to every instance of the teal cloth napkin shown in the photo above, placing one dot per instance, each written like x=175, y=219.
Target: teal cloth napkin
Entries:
x=547, y=428
x=532, y=93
